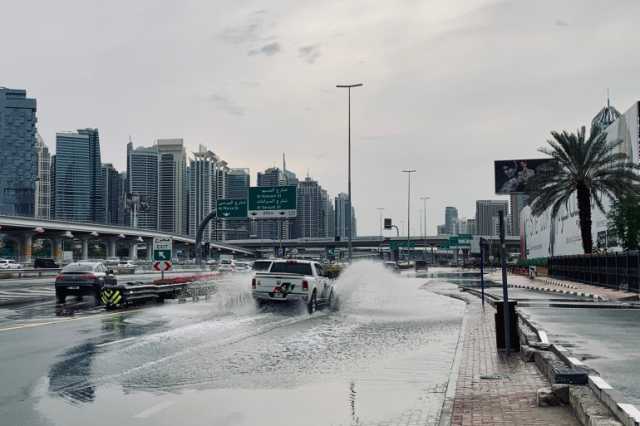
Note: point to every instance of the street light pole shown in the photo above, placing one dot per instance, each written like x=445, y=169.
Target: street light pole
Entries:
x=380, y=210
x=424, y=203
x=350, y=213
x=408, y=172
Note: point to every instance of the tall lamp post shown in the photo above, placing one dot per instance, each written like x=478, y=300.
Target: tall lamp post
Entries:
x=424, y=202
x=380, y=210
x=350, y=214
x=408, y=172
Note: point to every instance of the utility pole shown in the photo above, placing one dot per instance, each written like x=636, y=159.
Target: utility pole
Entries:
x=350, y=214
x=408, y=172
x=424, y=251
x=506, y=309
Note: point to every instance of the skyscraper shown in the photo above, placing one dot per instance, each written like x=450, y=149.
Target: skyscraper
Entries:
x=451, y=220
x=202, y=190
x=237, y=188
x=518, y=202
x=309, y=203
x=142, y=191
x=95, y=176
x=18, y=155
x=341, y=211
x=172, y=181
x=73, y=177
x=43, y=183
x=486, y=210
x=327, y=215
x=114, y=195
x=222, y=170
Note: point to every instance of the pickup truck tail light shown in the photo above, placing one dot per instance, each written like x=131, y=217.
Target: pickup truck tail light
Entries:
x=253, y=283
x=305, y=285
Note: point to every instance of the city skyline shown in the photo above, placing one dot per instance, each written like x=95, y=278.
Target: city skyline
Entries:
x=169, y=83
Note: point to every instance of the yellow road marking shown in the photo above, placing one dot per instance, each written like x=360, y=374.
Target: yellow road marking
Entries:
x=41, y=324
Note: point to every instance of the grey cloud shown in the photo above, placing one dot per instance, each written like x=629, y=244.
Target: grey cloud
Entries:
x=269, y=49
x=561, y=23
x=226, y=104
x=250, y=30
x=309, y=53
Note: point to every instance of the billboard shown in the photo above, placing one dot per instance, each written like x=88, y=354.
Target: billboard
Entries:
x=511, y=176
x=269, y=202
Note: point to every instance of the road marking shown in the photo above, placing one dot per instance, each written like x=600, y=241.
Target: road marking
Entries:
x=41, y=324
x=153, y=410
x=115, y=342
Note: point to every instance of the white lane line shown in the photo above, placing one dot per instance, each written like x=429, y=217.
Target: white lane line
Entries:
x=153, y=410
x=114, y=342
x=40, y=324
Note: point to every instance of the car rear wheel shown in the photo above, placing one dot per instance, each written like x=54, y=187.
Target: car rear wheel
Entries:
x=312, y=306
x=60, y=298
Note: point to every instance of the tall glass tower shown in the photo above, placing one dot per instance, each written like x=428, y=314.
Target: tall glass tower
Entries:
x=18, y=155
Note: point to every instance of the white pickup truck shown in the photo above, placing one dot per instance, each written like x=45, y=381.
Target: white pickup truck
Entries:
x=294, y=280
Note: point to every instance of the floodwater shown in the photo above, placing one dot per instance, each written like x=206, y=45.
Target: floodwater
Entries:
x=384, y=357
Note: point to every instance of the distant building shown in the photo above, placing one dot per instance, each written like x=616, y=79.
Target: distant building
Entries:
x=342, y=212
x=309, y=206
x=96, y=203
x=73, y=177
x=43, y=183
x=18, y=155
x=52, y=189
x=142, y=187
x=517, y=203
x=508, y=225
x=466, y=226
x=114, y=195
x=172, y=183
x=442, y=230
x=485, y=212
x=202, y=190
x=451, y=220
x=327, y=215
x=222, y=171
x=237, y=188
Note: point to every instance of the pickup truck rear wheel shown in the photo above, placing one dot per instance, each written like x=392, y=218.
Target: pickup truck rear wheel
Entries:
x=313, y=303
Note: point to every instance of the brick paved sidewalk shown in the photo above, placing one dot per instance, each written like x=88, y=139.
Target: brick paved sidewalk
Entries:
x=563, y=286
x=507, y=393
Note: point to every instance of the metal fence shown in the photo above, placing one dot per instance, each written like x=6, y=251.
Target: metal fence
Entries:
x=613, y=270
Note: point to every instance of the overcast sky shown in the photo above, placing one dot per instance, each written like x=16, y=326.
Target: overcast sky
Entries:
x=449, y=85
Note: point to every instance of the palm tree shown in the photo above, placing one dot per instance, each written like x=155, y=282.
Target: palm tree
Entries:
x=591, y=167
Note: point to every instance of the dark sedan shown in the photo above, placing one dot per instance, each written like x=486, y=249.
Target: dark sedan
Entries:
x=83, y=279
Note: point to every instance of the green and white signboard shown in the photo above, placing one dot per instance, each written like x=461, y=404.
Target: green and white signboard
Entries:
x=232, y=208
x=271, y=202
x=162, y=248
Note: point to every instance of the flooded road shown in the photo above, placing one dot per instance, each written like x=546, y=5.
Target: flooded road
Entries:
x=383, y=357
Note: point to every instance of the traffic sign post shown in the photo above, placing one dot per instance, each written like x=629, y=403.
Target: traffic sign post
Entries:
x=232, y=208
x=162, y=254
x=163, y=265
x=271, y=202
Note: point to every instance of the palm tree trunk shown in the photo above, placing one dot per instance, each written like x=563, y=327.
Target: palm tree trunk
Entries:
x=584, y=212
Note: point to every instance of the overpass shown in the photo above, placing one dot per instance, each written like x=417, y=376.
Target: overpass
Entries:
x=512, y=242
x=23, y=230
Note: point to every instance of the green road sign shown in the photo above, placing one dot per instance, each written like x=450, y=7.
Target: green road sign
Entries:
x=162, y=248
x=229, y=209
x=269, y=202
x=401, y=244
x=464, y=240
x=162, y=255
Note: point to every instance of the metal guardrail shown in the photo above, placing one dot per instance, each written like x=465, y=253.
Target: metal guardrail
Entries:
x=613, y=270
x=28, y=272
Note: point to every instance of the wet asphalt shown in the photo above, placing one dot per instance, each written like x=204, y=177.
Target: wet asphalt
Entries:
x=383, y=357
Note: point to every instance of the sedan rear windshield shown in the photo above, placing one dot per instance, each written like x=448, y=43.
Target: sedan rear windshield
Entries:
x=78, y=267
x=292, y=268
